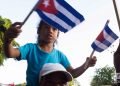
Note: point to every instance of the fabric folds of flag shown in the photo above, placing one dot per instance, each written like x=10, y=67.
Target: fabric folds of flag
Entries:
x=104, y=39
x=59, y=14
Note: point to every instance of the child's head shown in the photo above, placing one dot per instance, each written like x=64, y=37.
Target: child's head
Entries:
x=47, y=33
x=54, y=74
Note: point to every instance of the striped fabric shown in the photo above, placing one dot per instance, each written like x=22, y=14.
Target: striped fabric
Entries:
x=104, y=39
x=59, y=14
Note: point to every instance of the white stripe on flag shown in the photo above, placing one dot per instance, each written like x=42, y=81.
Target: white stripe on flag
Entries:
x=66, y=13
x=108, y=37
x=100, y=45
x=58, y=20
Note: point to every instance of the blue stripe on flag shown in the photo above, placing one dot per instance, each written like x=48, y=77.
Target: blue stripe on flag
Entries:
x=70, y=9
x=53, y=23
x=107, y=43
x=95, y=47
x=110, y=32
x=65, y=19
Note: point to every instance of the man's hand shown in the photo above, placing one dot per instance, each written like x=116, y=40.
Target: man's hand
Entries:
x=10, y=34
x=13, y=31
x=91, y=61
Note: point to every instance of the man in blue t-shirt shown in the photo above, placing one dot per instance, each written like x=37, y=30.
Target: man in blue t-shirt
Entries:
x=41, y=52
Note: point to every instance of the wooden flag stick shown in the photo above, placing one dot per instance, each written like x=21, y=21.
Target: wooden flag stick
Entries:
x=86, y=64
x=116, y=12
x=30, y=13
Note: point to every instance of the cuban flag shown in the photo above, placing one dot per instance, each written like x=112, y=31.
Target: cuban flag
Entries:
x=59, y=14
x=104, y=39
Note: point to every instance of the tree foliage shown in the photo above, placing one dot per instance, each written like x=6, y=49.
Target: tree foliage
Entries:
x=4, y=26
x=103, y=76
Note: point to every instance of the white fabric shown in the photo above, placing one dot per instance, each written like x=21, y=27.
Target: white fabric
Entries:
x=54, y=67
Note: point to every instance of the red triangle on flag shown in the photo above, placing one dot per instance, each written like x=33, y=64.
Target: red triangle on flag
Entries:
x=47, y=6
x=100, y=37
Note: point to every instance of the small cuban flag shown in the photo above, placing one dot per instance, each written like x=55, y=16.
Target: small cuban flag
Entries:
x=59, y=14
x=104, y=39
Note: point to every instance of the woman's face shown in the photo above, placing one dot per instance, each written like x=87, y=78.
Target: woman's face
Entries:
x=56, y=79
x=48, y=34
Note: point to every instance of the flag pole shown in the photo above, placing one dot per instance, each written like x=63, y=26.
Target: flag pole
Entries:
x=86, y=64
x=116, y=12
x=107, y=23
x=29, y=14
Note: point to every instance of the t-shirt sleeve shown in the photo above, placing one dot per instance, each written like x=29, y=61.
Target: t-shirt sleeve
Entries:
x=64, y=60
x=24, y=51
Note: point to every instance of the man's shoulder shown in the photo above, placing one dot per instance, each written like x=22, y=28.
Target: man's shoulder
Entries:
x=31, y=44
x=59, y=52
x=56, y=50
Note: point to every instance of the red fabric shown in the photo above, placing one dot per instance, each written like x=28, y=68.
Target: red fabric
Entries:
x=47, y=6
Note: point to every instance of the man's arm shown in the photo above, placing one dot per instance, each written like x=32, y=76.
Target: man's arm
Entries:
x=10, y=34
x=80, y=70
x=9, y=50
x=117, y=59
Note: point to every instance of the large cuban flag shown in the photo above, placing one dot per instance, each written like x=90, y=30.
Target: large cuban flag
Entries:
x=59, y=14
x=104, y=39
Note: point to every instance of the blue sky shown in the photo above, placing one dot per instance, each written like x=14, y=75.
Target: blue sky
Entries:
x=76, y=43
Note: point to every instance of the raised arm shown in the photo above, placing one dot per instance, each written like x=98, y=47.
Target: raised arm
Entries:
x=80, y=70
x=10, y=34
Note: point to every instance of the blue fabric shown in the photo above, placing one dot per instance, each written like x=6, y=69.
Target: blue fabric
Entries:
x=36, y=58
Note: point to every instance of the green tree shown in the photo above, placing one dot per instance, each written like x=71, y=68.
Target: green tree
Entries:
x=4, y=26
x=103, y=76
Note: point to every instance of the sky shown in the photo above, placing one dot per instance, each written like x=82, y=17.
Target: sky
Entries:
x=76, y=43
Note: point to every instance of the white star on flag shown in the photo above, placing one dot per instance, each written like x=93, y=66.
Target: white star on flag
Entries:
x=46, y=3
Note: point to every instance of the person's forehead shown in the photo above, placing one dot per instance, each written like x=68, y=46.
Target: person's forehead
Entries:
x=57, y=75
x=58, y=79
x=44, y=24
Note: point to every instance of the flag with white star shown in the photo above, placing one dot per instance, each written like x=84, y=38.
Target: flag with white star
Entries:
x=59, y=14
